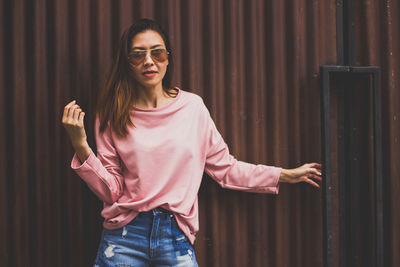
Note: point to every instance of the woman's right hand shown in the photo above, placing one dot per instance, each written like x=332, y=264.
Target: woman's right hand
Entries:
x=73, y=123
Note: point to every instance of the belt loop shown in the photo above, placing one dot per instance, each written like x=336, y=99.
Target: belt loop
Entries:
x=157, y=211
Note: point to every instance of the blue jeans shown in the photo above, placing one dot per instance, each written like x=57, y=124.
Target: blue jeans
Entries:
x=153, y=239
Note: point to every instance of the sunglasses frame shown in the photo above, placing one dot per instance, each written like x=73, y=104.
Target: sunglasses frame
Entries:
x=145, y=52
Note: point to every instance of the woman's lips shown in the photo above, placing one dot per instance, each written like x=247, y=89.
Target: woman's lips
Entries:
x=149, y=73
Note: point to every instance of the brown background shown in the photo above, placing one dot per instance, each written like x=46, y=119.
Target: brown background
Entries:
x=255, y=63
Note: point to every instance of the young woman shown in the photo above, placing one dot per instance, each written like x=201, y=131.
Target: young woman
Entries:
x=154, y=142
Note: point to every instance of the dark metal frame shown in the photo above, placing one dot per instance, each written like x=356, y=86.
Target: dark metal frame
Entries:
x=346, y=62
x=326, y=72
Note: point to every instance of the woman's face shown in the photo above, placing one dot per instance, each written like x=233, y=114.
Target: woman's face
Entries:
x=148, y=58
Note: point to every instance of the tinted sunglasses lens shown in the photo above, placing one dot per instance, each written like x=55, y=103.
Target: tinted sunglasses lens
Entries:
x=159, y=54
x=137, y=58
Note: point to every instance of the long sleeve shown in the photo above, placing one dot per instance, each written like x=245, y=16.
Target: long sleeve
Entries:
x=103, y=174
x=233, y=174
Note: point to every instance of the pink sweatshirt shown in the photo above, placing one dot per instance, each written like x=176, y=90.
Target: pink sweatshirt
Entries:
x=161, y=163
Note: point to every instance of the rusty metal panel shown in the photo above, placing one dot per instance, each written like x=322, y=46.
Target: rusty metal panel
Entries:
x=256, y=65
x=3, y=144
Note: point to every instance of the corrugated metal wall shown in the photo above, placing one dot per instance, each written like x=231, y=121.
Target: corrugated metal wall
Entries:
x=255, y=63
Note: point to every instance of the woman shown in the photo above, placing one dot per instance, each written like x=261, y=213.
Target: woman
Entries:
x=153, y=144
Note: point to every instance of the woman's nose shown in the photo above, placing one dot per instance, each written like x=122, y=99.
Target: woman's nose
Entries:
x=148, y=60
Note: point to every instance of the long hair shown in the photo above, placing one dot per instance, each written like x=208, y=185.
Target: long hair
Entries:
x=118, y=94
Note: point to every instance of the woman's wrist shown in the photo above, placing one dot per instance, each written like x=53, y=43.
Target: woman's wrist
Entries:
x=285, y=175
x=82, y=151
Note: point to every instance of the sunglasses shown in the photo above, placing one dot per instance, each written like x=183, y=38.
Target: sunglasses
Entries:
x=157, y=54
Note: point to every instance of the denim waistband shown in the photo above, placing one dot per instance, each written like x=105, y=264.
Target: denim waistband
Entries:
x=157, y=211
x=161, y=210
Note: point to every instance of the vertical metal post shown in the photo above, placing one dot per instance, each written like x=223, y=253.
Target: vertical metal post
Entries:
x=339, y=33
x=343, y=163
x=378, y=169
x=326, y=159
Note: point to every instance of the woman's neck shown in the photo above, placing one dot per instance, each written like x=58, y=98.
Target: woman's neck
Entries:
x=151, y=97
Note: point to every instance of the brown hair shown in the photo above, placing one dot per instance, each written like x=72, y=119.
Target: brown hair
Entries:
x=118, y=94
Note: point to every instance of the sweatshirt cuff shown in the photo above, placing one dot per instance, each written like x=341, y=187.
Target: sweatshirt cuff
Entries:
x=274, y=189
x=76, y=164
x=278, y=174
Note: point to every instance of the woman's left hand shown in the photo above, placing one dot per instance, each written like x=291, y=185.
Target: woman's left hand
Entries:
x=306, y=173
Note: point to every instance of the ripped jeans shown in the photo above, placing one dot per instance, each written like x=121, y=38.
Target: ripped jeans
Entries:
x=151, y=239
